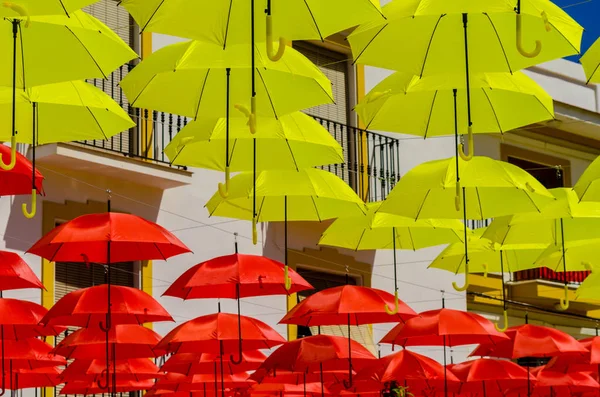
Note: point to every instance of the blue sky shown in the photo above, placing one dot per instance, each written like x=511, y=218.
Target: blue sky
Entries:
x=587, y=13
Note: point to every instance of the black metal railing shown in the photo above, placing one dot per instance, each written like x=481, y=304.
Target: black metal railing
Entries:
x=371, y=160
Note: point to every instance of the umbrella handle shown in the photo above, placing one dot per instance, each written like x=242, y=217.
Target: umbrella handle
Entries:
x=485, y=270
x=13, y=155
x=224, y=187
x=505, y=326
x=457, y=199
x=19, y=9
x=98, y=381
x=282, y=42
x=287, y=280
x=108, y=326
x=393, y=311
x=464, y=287
x=251, y=114
x=471, y=143
x=254, y=232
x=564, y=302
x=31, y=214
x=538, y=44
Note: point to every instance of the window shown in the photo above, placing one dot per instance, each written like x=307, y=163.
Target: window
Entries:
x=322, y=281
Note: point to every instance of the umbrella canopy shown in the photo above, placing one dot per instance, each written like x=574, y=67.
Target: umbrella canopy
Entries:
x=218, y=334
x=87, y=239
x=491, y=188
x=133, y=369
x=428, y=37
x=190, y=79
x=377, y=230
x=81, y=47
x=409, y=369
x=531, y=341
x=86, y=307
x=52, y=7
x=17, y=181
x=15, y=273
x=197, y=382
x=293, y=141
x=299, y=378
x=124, y=341
x=587, y=186
x=309, y=194
x=236, y=276
x=29, y=353
x=591, y=62
x=91, y=387
x=20, y=319
x=68, y=111
x=444, y=327
x=204, y=363
x=223, y=22
x=311, y=388
x=564, y=384
x=426, y=106
x=489, y=376
x=313, y=354
x=348, y=304
x=32, y=378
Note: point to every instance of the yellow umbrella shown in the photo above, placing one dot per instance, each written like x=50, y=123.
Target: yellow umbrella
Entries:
x=44, y=7
x=485, y=256
x=308, y=194
x=563, y=224
x=386, y=231
x=588, y=185
x=60, y=112
x=589, y=288
x=226, y=22
x=437, y=36
x=591, y=63
x=50, y=49
x=191, y=79
x=294, y=141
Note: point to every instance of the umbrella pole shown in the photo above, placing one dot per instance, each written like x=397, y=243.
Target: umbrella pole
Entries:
x=322, y=384
x=504, y=312
x=349, y=355
x=564, y=303
x=224, y=189
x=252, y=121
x=304, y=374
x=221, y=356
x=16, y=23
x=287, y=280
x=466, y=238
x=26, y=212
x=456, y=155
x=465, y=19
x=216, y=382
x=396, y=304
x=239, y=359
x=2, y=347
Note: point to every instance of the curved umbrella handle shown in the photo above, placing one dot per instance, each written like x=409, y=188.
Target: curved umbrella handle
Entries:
x=538, y=44
x=13, y=155
x=224, y=187
x=19, y=9
x=98, y=381
x=240, y=354
x=31, y=214
x=287, y=280
x=485, y=269
x=254, y=232
x=547, y=23
x=464, y=287
x=282, y=42
x=393, y=311
x=564, y=302
x=505, y=326
x=251, y=114
x=457, y=198
x=471, y=143
x=108, y=326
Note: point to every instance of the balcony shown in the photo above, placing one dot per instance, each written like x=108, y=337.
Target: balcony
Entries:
x=549, y=275
x=371, y=160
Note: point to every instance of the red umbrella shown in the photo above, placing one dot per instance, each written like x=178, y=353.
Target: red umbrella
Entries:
x=22, y=179
x=29, y=353
x=86, y=307
x=191, y=363
x=91, y=387
x=20, y=319
x=283, y=388
x=197, y=382
x=349, y=305
x=299, y=378
x=561, y=384
x=125, y=341
x=410, y=369
x=217, y=334
x=235, y=276
x=444, y=327
x=315, y=354
x=133, y=369
x=15, y=273
x=32, y=378
x=489, y=376
x=531, y=341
